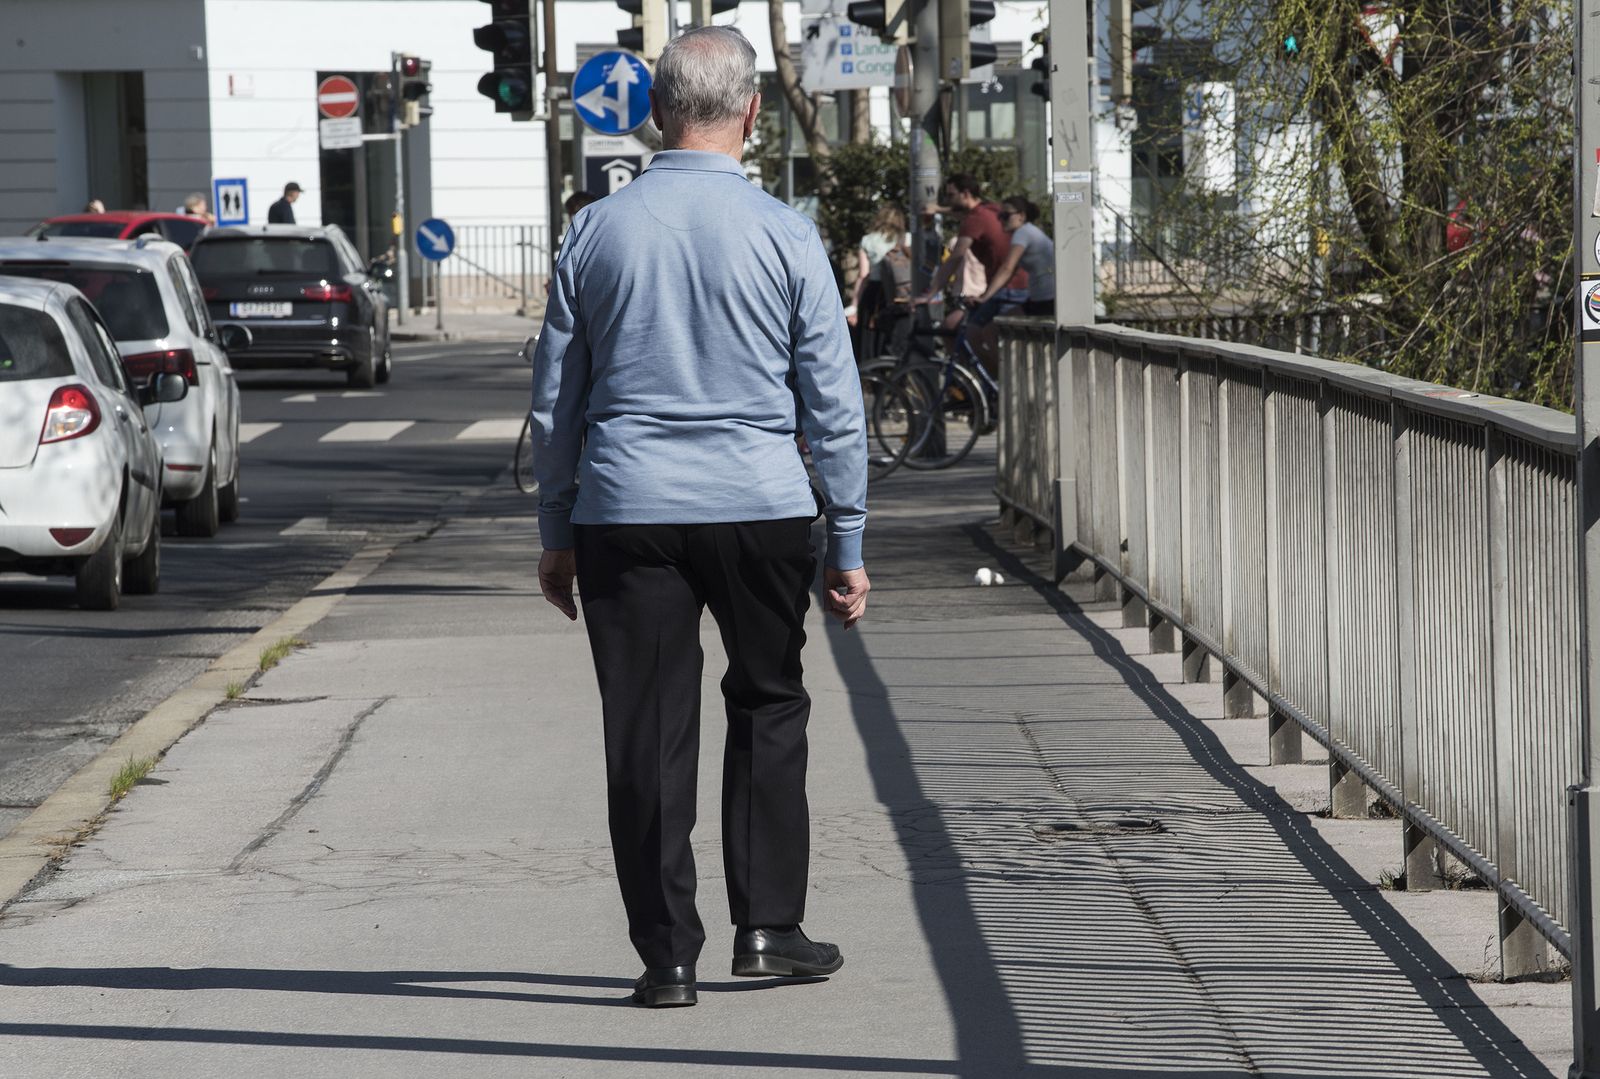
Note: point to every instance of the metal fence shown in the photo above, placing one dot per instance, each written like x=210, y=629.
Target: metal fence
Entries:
x=1389, y=564
x=493, y=267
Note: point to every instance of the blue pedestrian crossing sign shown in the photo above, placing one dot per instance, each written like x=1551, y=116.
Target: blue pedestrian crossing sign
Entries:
x=232, y=201
x=435, y=239
x=612, y=92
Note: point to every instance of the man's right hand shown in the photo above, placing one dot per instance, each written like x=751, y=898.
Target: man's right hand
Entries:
x=846, y=591
x=556, y=572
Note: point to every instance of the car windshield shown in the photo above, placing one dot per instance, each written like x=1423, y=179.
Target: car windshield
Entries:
x=111, y=229
x=303, y=258
x=127, y=298
x=31, y=345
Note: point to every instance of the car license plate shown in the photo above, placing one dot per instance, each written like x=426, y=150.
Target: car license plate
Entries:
x=260, y=310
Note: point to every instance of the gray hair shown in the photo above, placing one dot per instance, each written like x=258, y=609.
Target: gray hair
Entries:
x=705, y=77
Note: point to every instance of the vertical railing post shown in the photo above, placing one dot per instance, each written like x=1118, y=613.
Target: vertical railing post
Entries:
x=1347, y=795
x=1417, y=847
x=1283, y=733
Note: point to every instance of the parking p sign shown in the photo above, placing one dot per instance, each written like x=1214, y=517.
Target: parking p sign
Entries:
x=231, y=201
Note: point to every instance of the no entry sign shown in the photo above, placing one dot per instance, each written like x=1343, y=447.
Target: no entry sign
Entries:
x=337, y=97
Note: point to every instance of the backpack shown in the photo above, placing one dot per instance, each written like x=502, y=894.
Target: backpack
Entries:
x=894, y=275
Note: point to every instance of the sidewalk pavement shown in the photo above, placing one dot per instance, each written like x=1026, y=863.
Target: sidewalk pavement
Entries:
x=391, y=860
x=467, y=325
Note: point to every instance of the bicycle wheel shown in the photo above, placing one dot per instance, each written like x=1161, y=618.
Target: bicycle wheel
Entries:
x=522, y=461
x=892, y=424
x=952, y=411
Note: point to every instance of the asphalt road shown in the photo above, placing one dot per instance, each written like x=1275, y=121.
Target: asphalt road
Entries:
x=325, y=470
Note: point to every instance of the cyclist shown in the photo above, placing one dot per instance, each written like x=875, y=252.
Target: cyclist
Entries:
x=982, y=234
x=1034, y=252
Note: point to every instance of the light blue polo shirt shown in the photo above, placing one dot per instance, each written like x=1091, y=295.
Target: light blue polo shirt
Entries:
x=694, y=327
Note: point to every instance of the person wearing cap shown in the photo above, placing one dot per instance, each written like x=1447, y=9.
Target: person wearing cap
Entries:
x=282, y=211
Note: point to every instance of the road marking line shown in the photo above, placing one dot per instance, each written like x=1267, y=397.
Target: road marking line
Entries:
x=491, y=430
x=367, y=431
x=317, y=526
x=249, y=432
x=362, y=393
x=300, y=399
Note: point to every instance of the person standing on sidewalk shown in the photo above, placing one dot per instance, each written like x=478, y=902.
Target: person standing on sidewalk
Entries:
x=693, y=331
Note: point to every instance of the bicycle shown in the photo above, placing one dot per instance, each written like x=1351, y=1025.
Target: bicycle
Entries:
x=955, y=401
x=522, y=456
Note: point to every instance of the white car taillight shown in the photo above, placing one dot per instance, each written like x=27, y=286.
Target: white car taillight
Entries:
x=73, y=413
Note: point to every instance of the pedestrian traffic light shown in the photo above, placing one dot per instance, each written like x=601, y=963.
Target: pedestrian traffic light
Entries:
x=649, y=33
x=510, y=38
x=958, y=53
x=414, y=88
x=889, y=19
x=1041, y=64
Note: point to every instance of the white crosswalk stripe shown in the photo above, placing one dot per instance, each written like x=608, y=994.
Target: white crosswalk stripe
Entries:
x=249, y=432
x=491, y=431
x=367, y=431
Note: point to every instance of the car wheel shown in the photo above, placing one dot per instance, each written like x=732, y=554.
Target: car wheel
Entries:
x=228, y=497
x=386, y=367
x=201, y=515
x=362, y=376
x=141, y=576
x=100, y=575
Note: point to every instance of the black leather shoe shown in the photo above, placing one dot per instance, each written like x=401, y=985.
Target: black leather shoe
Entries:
x=665, y=987
x=782, y=953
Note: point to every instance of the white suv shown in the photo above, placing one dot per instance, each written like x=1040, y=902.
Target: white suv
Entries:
x=148, y=295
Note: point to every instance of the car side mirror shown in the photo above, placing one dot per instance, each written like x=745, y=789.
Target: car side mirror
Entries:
x=164, y=388
x=235, y=338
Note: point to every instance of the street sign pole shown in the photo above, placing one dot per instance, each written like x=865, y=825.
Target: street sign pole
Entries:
x=438, y=296
x=552, y=130
x=924, y=155
x=1583, y=801
x=404, y=285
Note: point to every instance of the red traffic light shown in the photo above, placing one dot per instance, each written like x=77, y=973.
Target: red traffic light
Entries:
x=410, y=66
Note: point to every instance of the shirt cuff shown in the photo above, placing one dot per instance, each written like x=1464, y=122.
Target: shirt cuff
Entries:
x=555, y=531
x=844, y=551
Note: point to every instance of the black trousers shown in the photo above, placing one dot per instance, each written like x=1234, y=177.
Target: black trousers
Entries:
x=643, y=588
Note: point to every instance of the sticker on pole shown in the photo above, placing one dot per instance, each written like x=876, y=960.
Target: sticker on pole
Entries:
x=1589, y=308
x=435, y=239
x=612, y=92
x=337, y=97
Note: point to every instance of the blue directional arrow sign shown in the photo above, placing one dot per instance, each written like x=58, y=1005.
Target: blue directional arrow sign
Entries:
x=435, y=239
x=612, y=92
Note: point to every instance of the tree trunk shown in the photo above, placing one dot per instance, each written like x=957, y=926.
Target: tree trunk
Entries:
x=861, y=117
x=804, y=109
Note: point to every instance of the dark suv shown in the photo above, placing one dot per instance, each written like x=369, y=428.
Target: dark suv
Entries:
x=304, y=294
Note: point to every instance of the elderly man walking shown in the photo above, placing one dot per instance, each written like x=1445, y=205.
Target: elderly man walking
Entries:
x=694, y=331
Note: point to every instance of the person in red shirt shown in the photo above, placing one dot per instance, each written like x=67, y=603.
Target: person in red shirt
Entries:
x=983, y=234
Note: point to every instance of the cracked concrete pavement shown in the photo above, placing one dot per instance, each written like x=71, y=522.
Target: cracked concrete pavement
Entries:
x=391, y=860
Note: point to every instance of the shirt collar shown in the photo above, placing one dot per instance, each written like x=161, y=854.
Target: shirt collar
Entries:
x=695, y=161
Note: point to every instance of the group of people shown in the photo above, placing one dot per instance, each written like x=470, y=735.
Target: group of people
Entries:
x=195, y=205
x=1001, y=262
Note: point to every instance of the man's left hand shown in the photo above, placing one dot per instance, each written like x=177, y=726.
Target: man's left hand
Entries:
x=557, y=569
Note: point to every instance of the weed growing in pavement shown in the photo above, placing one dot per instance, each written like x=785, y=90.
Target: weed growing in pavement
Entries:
x=273, y=654
x=129, y=774
x=235, y=690
x=1392, y=880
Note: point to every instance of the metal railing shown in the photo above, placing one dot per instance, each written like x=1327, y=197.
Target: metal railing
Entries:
x=493, y=267
x=1028, y=428
x=1391, y=565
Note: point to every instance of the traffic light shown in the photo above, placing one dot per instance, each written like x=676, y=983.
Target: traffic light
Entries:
x=958, y=53
x=510, y=37
x=414, y=88
x=701, y=11
x=1041, y=64
x=889, y=19
x=649, y=34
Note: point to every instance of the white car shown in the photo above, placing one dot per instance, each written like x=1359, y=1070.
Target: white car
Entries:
x=148, y=295
x=80, y=469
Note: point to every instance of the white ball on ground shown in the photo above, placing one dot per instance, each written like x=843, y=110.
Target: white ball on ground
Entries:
x=998, y=579
x=984, y=576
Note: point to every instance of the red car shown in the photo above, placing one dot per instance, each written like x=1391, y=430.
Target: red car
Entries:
x=181, y=229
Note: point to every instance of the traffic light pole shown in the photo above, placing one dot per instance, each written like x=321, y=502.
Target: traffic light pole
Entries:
x=404, y=284
x=1583, y=801
x=552, y=129
x=925, y=180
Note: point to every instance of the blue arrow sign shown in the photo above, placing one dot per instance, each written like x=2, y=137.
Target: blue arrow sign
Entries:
x=612, y=92
x=435, y=239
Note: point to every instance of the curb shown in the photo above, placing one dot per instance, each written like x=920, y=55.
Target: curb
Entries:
x=83, y=798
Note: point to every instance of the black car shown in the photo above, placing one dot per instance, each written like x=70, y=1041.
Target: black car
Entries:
x=305, y=295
